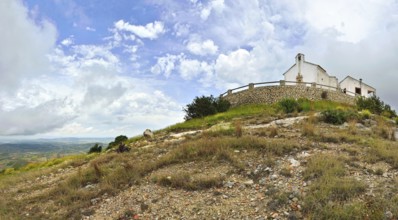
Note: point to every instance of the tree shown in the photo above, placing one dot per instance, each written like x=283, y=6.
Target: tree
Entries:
x=119, y=139
x=95, y=149
x=376, y=106
x=204, y=106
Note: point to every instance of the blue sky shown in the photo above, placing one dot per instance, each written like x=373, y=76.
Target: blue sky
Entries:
x=104, y=68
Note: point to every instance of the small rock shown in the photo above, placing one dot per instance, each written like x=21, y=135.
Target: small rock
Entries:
x=89, y=186
x=385, y=175
x=388, y=215
x=293, y=162
x=248, y=182
x=262, y=181
x=236, y=151
x=274, y=176
x=229, y=184
x=148, y=134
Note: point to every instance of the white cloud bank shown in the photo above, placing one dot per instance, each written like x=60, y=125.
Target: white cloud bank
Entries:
x=24, y=44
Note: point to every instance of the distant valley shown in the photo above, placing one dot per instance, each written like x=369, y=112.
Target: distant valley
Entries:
x=15, y=154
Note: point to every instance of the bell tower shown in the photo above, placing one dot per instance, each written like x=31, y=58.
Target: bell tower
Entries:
x=299, y=63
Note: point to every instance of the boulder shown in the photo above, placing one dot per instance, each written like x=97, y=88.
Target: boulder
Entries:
x=148, y=134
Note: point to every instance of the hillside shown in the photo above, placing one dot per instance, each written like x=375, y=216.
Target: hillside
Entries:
x=252, y=162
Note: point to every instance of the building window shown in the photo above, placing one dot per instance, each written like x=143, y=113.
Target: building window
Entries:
x=358, y=90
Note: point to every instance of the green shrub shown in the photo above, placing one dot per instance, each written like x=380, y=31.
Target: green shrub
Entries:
x=290, y=105
x=365, y=114
x=204, y=106
x=334, y=116
x=95, y=149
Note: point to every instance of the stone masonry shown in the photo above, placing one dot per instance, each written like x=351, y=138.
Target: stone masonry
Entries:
x=273, y=94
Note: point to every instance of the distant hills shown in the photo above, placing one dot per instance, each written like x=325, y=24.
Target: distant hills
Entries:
x=17, y=153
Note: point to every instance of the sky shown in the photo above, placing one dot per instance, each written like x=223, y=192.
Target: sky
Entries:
x=102, y=68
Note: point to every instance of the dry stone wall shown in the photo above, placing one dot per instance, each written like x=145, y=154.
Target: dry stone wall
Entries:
x=273, y=94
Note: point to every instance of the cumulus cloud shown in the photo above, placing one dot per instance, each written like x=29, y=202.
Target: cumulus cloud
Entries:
x=39, y=119
x=151, y=30
x=190, y=68
x=24, y=45
x=202, y=48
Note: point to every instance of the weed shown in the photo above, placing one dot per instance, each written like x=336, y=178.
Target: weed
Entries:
x=273, y=131
x=238, y=129
x=308, y=129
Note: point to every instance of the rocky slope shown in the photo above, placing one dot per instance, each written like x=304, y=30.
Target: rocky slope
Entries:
x=250, y=168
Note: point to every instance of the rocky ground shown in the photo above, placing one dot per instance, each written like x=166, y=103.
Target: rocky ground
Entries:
x=258, y=191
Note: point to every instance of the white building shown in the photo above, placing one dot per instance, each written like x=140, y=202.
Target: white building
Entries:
x=356, y=87
x=303, y=71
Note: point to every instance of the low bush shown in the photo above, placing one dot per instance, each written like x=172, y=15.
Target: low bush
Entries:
x=365, y=114
x=289, y=105
x=334, y=116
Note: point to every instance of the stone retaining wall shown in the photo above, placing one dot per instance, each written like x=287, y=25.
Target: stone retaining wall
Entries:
x=273, y=94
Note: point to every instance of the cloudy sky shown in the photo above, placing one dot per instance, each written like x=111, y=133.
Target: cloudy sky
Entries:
x=104, y=68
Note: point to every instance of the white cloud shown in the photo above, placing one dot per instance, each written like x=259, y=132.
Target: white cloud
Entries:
x=216, y=5
x=190, y=69
x=40, y=119
x=67, y=41
x=151, y=30
x=24, y=45
x=202, y=48
x=351, y=23
x=90, y=29
x=166, y=64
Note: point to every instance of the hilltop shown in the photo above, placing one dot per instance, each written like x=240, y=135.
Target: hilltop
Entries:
x=324, y=160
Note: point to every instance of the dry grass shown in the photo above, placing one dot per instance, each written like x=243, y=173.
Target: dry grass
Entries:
x=383, y=151
x=308, y=129
x=330, y=188
x=238, y=128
